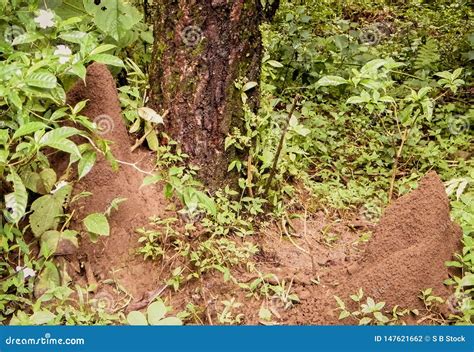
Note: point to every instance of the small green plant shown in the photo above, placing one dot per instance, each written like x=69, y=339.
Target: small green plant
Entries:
x=155, y=315
x=370, y=312
x=227, y=315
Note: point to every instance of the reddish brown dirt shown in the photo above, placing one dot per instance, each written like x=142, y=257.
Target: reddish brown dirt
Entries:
x=114, y=257
x=325, y=257
x=406, y=254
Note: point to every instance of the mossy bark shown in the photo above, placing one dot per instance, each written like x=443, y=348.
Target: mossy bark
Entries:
x=201, y=48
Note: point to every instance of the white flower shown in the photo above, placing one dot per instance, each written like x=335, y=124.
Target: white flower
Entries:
x=45, y=19
x=64, y=53
x=27, y=272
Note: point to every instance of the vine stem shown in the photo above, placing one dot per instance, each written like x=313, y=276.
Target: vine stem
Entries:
x=280, y=146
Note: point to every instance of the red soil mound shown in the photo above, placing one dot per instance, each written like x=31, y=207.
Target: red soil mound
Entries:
x=114, y=257
x=406, y=254
x=411, y=243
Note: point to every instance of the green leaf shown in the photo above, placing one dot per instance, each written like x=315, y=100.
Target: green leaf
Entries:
x=136, y=318
x=79, y=70
x=207, y=202
x=380, y=317
x=42, y=317
x=28, y=128
x=340, y=302
x=149, y=180
x=86, y=163
x=58, y=135
x=331, y=81
x=365, y=321
x=467, y=280
x=59, y=243
x=106, y=59
x=46, y=214
x=170, y=321
x=15, y=202
x=150, y=115
x=48, y=179
x=274, y=63
x=113, y=17
x=98, y=224
x=41, y=79
x=102, y=48
x=249, y=85
x=66, y=146
x=48, y=279
x=155, y=312
x=151, y=138
x=453, y=264
x=344, y=314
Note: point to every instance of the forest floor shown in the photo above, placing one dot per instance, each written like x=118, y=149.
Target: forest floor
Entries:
x=317, y=255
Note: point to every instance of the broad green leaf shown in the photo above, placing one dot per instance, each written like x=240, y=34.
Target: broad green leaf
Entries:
x=98, y=224
x=59, y=243
x=207, y=203
x=249, y=85
x=150, y=115
x=102, y=49
x=149, y=180
x=107, y=59
x=155, y=312
x=151, y=137
x=331, y=81
x=86, y=163
x=46, y=214
x=28, y=128
x=76, y=37
x=344, y=314
x=467, y=280
x=170, y=321
x=48, y=279
x=274, y=63
x=41, y=79
x=79, y=70
x=58, y=134
x=42, y=317
x=66, y=146
x=373, y=65
x=136, y=318
x=113, y=17
x=48, y=179
x=15, y=202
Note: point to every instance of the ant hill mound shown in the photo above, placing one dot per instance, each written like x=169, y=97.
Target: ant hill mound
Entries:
x=411, y=243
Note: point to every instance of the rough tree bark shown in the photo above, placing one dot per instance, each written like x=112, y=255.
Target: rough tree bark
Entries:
x=201, y=48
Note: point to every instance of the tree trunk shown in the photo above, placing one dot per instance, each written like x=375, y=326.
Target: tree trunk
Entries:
x=201, y=48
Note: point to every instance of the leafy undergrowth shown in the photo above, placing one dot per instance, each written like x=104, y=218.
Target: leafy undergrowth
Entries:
x=357, y=104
